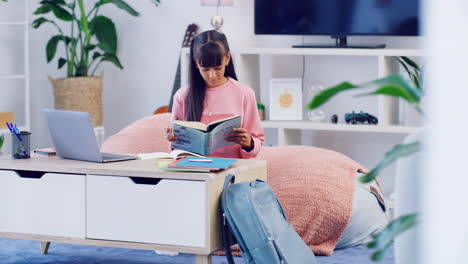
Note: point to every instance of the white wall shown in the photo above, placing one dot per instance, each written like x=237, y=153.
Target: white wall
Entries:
x=149, y=48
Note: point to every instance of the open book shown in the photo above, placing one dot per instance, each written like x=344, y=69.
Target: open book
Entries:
x=173, y=155
x=203, y=139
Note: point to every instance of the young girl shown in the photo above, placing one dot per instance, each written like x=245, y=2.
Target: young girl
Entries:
x=214, y=93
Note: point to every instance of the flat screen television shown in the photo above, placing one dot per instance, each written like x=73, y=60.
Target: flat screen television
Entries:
x=338, y=18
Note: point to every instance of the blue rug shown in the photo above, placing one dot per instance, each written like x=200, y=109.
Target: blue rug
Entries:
x=14, y=251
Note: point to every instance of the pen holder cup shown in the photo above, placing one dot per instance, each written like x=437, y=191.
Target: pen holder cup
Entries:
x=20, y=145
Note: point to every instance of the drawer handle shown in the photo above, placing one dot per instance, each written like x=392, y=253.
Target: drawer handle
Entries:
x=147, y=181
x=30, y=174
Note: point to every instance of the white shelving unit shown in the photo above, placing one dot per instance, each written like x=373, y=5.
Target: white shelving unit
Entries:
x=332, y=51
x=289, y=131
x=249, y=66
x=339, y=127
x=23, y=28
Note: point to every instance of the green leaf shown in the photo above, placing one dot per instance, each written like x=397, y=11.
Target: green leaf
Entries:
x=81, y=70
x=398, y=151
x=39, y=21
x=67, y=40
x=104, y=30
x=327, y=94
x=394, y=90
x=61, y=62
x=156, y=2
x=53, y=2
x=90, y=47
x=398, y=80
x=44, y=9
x=120, y=4
x=61, y=13
x=379, y=254
x=411, y=63
x=2, y=140
x=96, y=55
x=51, y=47
x=385, y=86
x=112, y=58
x=413, y=76
x=383, y=239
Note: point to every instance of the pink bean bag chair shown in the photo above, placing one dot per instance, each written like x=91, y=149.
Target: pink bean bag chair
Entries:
x=314, y=185
x=143, y=136
x=316, y=188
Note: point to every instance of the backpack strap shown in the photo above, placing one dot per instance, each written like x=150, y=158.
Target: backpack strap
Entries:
x=227, y=245
x=230, y=178
x=224, y=226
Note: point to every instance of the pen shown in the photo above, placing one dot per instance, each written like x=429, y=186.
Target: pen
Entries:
x=200, y=160
x=16, y=130
x=12, y=129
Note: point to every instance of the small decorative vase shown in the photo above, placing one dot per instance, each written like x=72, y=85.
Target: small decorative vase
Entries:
x=313, y=115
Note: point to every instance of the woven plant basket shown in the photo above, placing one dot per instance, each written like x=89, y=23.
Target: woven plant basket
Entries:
x=83, y=94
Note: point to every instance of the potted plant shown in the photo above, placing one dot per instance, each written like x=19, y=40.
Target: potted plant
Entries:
x=2, y=140
x=261, y=110
x=411, y=91
x=91, y=40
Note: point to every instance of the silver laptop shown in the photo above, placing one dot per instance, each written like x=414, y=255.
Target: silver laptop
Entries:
x=73, y=137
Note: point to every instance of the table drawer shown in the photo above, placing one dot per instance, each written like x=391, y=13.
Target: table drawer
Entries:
x=149, y=210
x=44, y=204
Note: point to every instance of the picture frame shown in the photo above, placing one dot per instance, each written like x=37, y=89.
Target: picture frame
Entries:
x=285, y=99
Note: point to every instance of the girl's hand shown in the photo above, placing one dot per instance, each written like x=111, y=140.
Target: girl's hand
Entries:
x=169, y=135
x=242, y=137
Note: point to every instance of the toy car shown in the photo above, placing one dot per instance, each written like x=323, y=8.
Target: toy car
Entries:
x=361, y=118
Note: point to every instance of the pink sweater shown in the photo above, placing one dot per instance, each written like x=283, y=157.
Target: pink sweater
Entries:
x=229, y=99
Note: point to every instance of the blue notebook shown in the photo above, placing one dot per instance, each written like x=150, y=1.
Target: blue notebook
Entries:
x=203, y=163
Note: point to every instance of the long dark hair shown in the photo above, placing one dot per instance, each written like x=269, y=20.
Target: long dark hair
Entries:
x=208, y=48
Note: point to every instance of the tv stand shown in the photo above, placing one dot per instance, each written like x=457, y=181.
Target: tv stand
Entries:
x=341, y=42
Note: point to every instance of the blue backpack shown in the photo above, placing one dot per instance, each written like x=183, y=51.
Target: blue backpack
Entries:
x=253, y=215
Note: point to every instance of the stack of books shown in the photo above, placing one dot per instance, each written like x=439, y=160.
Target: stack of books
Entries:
x=198, y=164
x=181, y=160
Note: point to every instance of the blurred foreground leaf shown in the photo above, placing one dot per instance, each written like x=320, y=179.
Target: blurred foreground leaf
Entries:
x=398, y=151
x=384, y=239
x=392, y=85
